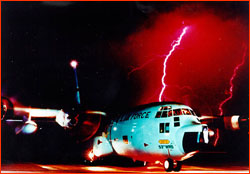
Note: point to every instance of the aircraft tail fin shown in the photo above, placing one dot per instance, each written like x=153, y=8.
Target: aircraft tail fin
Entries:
x=74, y=64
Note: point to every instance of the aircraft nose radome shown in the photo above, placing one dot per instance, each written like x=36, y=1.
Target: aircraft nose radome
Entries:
x=193, y=141
x=190, y=141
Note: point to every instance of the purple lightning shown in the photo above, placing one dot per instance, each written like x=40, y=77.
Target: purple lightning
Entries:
x=174, y=45
x=231, y=83
x=140, y=67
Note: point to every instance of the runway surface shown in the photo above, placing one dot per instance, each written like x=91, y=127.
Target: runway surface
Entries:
x=77, y=168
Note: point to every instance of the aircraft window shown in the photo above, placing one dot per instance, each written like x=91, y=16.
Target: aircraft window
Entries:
x=176, y=124
x=167, y=127
x=177, y=112
x=165, y=108
x=170, y=113
x=161, y=127
x=176, y=118
x=165, y=114
x=164, y=127
x=161, y=114
x=158, y=115
x=176, y=121
x=125, y=139
x=186, y=112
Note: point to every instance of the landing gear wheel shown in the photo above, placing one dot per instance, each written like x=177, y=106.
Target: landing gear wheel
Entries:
x=177, y=166
x=168, y=165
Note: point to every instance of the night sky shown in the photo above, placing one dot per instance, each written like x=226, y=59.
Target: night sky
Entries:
x=110, y=39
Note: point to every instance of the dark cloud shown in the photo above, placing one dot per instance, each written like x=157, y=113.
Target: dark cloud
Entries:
x=145, y=7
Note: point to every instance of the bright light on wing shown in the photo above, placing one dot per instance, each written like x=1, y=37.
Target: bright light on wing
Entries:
x=73, y=64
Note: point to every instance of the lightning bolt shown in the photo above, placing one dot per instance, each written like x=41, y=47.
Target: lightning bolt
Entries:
x=231, y=83
x=140, y=67
x=174, y=45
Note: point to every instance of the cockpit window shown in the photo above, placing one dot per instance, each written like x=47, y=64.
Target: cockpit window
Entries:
x=165, y=114
x=177, y=112
x=158, y=115
x=186, y=112
x=165, y=108
x=168, y=112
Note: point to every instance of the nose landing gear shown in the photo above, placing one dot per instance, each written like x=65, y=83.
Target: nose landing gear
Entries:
x=168, y=165
x=172, y=165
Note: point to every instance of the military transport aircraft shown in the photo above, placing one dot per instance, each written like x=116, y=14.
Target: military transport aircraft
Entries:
x=167, y=132
x=164, y=132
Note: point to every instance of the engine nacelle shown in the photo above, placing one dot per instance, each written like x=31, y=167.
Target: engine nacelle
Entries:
x=6, y=108
x=86, y=125
x=29, y=127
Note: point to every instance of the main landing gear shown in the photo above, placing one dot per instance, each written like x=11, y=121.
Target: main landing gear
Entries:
x=170, y=165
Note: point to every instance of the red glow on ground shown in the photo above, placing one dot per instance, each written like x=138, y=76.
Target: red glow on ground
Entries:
x=204, y=61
